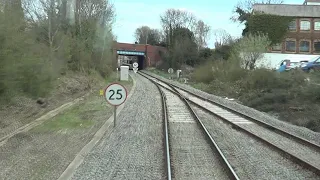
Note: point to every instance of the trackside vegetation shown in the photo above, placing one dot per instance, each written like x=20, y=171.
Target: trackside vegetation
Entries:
x=40, y=42
x=231, y=68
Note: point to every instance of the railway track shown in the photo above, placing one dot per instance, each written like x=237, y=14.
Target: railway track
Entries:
x=301, y=151
x=190, y=151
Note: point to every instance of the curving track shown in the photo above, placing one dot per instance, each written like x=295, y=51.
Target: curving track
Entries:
x=301, y=151
x=190, y=151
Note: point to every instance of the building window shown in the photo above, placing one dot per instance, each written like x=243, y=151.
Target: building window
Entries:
x=291, y=46
x=317, y=25
x=304, y=25
x=316, y=46
x=293, y=25
x=304, y=46
x=276, y=47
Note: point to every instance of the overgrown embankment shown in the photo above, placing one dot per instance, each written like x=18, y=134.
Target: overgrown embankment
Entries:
x=288, y=96
x=52, y=56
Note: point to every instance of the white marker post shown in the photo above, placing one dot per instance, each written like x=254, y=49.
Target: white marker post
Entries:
x=117, y=74
x=115, y=94
x=170, y=71
x=135, y=67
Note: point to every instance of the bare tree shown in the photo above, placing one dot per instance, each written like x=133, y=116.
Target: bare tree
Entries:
x=246, y=6
x=174, y=18
x=202, y=34
x=87, y=21
x=141, y=34
x=222, y=37
x=147, y=35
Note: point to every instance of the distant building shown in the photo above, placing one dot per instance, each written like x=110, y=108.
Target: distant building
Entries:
x=304, y=31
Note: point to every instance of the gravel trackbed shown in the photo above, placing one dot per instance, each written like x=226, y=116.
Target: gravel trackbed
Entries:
x=134, y=149
x=191, y=155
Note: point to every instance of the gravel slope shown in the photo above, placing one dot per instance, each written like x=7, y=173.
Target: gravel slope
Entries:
x=134, y=149
x=309, y=154
x=250, y=158
x=297, y=130
x=191, y=155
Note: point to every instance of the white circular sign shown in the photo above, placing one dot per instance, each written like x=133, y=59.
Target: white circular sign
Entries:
x=115, y=94
x=135, y=65
x=170, y=70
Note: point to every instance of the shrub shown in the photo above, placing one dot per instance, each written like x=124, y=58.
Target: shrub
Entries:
x=261, y=79
x=203, y=73
x=311, y=93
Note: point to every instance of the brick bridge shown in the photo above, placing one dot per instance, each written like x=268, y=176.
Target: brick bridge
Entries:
x=148, y=55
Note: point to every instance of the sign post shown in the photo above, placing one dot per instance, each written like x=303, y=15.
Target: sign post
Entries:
x=135, y=67
x=115, y=94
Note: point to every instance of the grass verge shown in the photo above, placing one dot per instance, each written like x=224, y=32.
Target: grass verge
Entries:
x=80, y=115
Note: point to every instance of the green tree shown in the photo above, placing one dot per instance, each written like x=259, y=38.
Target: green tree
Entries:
x=250, y=49
x=184, y=49
x=184, y=36
x=276, y=27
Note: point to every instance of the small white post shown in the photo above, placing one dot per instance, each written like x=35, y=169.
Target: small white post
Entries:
x=117, y=74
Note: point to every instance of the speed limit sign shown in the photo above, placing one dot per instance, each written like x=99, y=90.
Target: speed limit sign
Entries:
x=115, y=94
x=135, y=65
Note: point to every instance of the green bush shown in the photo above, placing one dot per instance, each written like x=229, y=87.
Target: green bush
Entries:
x=311, y=93
x=224, y=71
x=264, y=90
x=32, y=56
x=36, y=79
x=203, y=73
x=261, y=79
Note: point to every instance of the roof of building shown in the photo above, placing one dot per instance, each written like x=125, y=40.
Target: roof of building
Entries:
x=293, y=10
x=311, y=2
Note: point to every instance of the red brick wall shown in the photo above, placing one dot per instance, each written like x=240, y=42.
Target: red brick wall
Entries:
x=299, y=35
x=131, y=47
x=152, y=52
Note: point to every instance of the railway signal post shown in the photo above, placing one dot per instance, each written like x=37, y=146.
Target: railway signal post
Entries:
x=115, y=94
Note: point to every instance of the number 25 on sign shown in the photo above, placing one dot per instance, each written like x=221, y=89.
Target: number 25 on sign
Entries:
x=115, y=95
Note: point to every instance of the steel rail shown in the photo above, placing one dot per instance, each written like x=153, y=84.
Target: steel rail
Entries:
x=166, y=132
x=296, y=159
x=231, y=173
x=272, y=127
